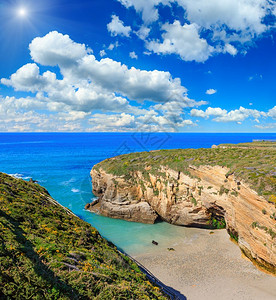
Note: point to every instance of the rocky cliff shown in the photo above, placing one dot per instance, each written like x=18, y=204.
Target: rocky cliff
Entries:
x=201, y=195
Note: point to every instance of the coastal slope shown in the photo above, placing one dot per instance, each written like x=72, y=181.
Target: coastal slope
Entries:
x=46, y=252
x=232, y=186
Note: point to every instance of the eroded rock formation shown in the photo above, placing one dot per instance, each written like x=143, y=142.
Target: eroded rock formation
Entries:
x=201, y=197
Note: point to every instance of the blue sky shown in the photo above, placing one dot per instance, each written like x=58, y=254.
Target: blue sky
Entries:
x=138, y=65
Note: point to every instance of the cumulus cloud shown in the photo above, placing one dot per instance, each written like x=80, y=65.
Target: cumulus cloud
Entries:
x=211, y=91
x=182, y=40
x=89, y=78
x=272, y=112
x=112, y=46
x=27, y=78
x=210, y=111
x=147, y=8
x=266, y=126
x=143, y=32
x=87, y=85
x=102, y=53
x=228, y=48
x=56, y=49
x=151, y=121
x=221, y=26
x=28, y=114
x=240, y=15
x=103, y=95
x=119, y=122
x=117, y=27
x=133, y=55
x=222, y=115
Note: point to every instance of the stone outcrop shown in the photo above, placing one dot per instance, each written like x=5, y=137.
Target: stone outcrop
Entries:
x=198, y=198
x=119, y=200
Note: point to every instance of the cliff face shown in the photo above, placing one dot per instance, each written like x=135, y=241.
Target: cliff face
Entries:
x=203, y=196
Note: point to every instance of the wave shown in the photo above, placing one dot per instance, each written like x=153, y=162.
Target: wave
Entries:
x=20, y=176
x=67, y=182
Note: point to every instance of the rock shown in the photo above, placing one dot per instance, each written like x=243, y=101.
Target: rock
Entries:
x=33, y=181
x=87, y=206
x=119, y=201
x=190, y=201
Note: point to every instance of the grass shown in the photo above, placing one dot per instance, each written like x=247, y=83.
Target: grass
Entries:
x=46, y=252
x=252, y=162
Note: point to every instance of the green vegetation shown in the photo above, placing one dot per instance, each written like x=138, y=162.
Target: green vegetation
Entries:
x=193, y=200
x=217, y=224
x=251, y=162
x=234, y=235
x=223, y=190
x=46, y=252
x=270, y=231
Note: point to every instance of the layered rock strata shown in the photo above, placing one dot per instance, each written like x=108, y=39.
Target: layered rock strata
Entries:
x=201, y=197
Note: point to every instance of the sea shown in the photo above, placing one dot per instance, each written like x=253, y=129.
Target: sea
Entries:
x=61, y=162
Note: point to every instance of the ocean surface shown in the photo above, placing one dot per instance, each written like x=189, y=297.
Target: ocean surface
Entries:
x=61, y=162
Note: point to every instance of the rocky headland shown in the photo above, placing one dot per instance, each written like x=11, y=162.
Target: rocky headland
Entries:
x=232, y=186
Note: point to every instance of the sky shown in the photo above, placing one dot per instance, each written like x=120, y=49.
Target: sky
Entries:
x=138, y=65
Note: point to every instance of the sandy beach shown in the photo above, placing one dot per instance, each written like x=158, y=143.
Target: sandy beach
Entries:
x=208, y=266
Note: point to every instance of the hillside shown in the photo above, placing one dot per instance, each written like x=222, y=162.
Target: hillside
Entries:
x=232, y=186
x=46, y=252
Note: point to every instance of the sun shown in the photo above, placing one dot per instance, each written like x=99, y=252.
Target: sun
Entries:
x=22, y=12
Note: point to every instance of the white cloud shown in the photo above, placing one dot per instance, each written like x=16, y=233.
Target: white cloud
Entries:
x=56, y=48
x=116, y=27
x=89, y=85
x=147, y=8
x=27, y=78
x=211, y=92
x=266, y=126
x=112, y=46
x=102, y=53
x=226, y=25
x=17, y=114
x=245, y=16
x=182, y=40
x=150, y=121
x=91, y=82
x=228, y=48
x=135, y=84
x=272, y=112
x=222, y=115
x=143, y=32
x=210, y=111
x=133, y=55
x=255, y=77
x=119, y=122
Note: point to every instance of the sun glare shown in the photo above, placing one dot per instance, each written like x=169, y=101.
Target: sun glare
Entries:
x=22, y=12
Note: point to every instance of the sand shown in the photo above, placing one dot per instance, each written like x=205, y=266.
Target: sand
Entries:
x=208, y=266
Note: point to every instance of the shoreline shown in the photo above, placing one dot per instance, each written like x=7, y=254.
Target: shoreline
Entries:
x=208, y=266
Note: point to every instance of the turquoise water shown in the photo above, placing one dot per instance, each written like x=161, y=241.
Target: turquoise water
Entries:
x=61, y=162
